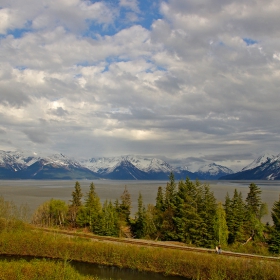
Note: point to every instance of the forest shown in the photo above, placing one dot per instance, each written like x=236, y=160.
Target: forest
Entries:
x=185, y=211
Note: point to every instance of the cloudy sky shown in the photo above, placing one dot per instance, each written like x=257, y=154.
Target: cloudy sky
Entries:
x=169, y=78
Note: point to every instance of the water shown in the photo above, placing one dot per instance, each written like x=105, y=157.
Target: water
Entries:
x=115, y=273
x=36, y=192
x=105, y=272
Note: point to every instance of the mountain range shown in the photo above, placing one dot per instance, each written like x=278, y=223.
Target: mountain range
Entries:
x=265, y=167
x=20, y=165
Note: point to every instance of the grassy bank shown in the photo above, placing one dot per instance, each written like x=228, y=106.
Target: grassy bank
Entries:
x=18, y=239
x=39, y=270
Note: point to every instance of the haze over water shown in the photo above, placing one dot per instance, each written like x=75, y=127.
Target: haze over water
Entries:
x=35, y=192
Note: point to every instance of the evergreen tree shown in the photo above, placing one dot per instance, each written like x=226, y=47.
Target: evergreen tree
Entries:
x=76, y=204
x=89, y=214
x=254, y=206
x=275, y=214
x=158, y=213
x=125, y=206
x=253, y=200
x=140, y=221
x=109, y=222
x=207, y=212
x=150, y=230
x=168, y=229
x=93, y=207
x=77, y=196
x=274, y=242
x=185, y=213
x=170, y=192
x=235, y=211
x=160, y=200
x=221, y=228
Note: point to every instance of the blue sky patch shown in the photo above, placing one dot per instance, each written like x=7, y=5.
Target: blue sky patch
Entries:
x=249, y=41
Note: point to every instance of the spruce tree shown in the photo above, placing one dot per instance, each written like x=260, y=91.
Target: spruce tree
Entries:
x=158, y=213
x=235, y=215
x=253, y=200
x=207, y=212
x=77, y=195
x=93, y=208
x=170, y=192
x=125, y=206
x=168, y=228
x=109, y=222
x=160, y=200
x=220, y=226
x=254, y=206
x=76, y=204
x=140, y=221
x=275, y=214
x=274, y=242
x=150, y=230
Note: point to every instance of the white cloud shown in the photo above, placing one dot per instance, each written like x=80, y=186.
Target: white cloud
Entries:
x=131, y=4
x=191, y=83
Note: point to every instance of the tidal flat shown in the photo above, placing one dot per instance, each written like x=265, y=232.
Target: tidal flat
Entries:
x=35, y=192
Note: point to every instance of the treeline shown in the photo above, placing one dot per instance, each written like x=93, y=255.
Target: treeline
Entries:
x=185, y=211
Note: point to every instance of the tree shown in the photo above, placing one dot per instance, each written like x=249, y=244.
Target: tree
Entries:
x=186, y=218
x=170, y=192
x=77, y=195
x=150, y=230
x=51, y=213
x=253, y=200
x=168, y=228
x=158, y=212
x=274, y=242
x=93, y=208
x=221, y=229
x=76, y=203
x=235, y=216
x=139, y=225
x=58, y=211
x=160, y=200
x=254, y=211
x=125, y=206
x=275, y=214
x=207, y=212
x=109, y=222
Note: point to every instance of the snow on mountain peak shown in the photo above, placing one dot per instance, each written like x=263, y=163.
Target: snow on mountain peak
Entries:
x=214, y=169
x=145, y=164
x=259, y=161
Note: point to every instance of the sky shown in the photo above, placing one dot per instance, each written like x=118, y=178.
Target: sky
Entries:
x=175, y=79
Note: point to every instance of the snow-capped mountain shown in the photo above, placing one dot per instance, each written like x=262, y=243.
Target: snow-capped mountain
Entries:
x=153, y=168
x=142, y=163
x=15, y=161
x=112, y=167
x=213, y=171
x=259, y=161
x=262, y=169
x=18, y=165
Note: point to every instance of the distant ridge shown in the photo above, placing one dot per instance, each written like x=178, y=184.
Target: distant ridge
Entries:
x=19, y=165
x=266, y=167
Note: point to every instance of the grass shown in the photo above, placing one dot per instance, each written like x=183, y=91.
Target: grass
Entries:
x=39, y=270
x=19, y=239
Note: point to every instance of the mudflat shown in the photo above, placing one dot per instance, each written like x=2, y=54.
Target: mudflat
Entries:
x=35, y=192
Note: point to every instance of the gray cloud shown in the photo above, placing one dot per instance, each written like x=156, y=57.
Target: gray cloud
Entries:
x=190, y=86
x=60, y=112
x=36, y=135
